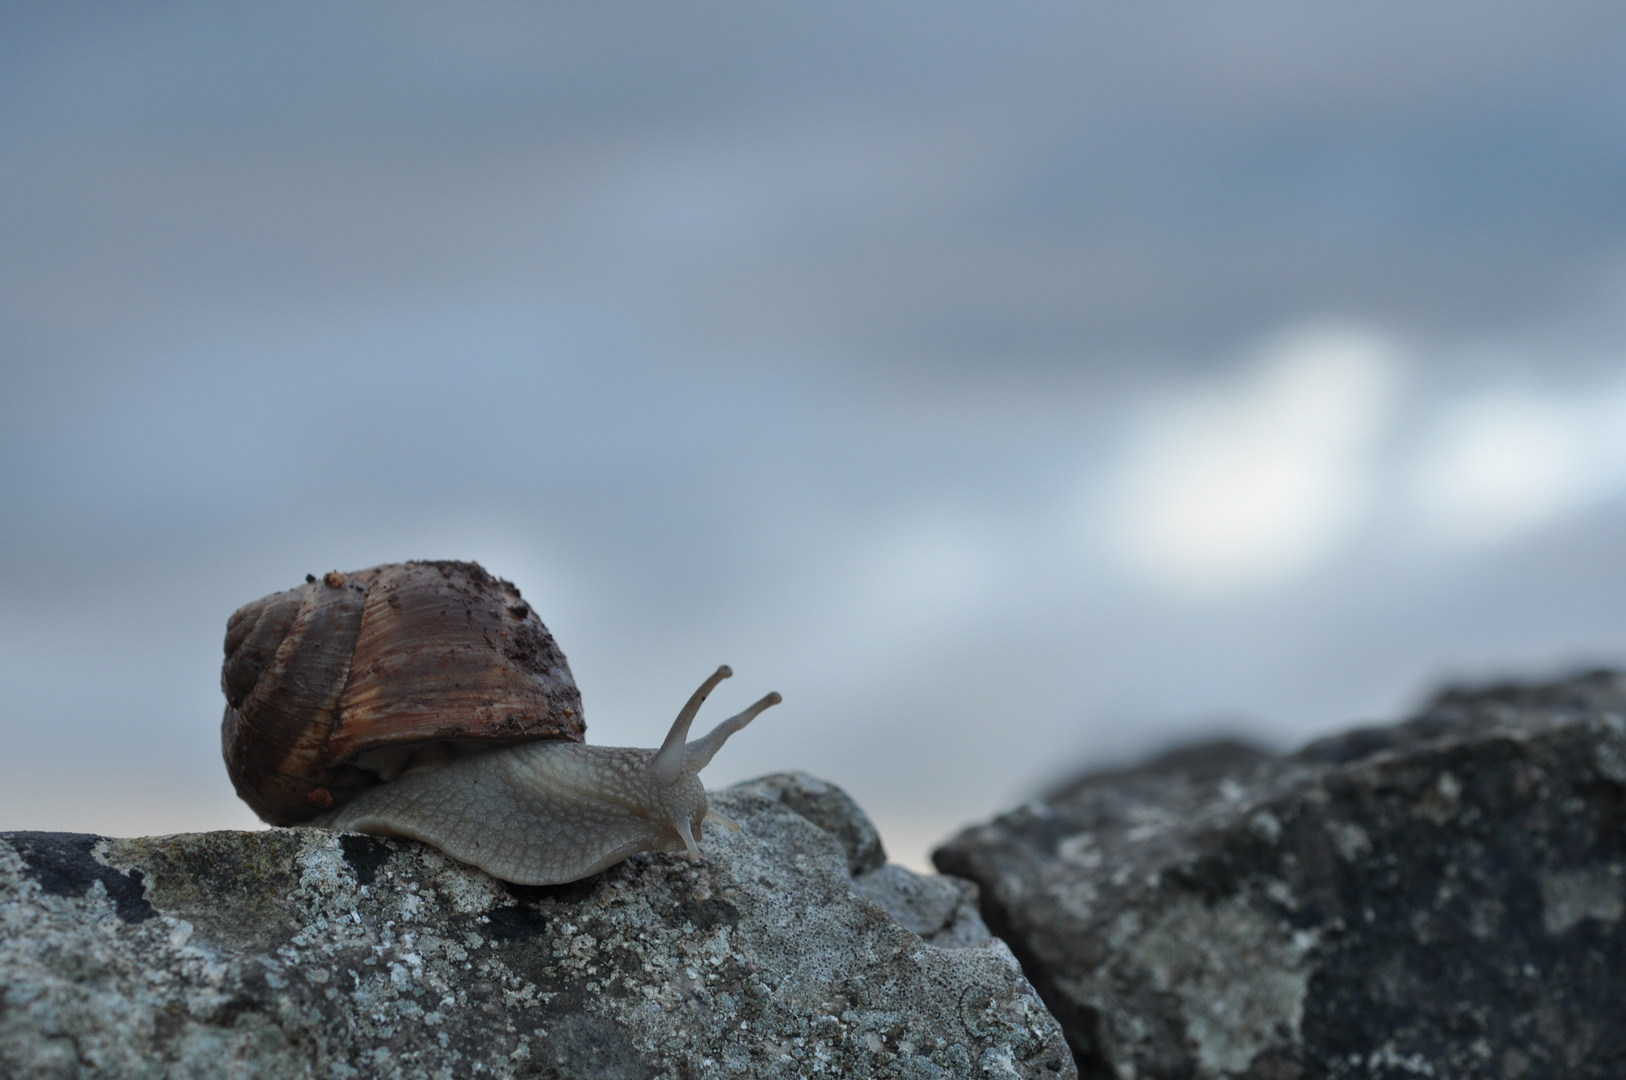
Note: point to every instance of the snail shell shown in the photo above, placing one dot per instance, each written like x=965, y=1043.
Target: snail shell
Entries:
x=350, y=680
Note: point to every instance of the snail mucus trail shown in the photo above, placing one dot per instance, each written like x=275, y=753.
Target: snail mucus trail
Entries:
x=427, y=700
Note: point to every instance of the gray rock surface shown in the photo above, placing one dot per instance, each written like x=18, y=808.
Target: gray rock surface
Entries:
x=831, y=809
x=304, y=953
x=1441, y=898
x=942, y=910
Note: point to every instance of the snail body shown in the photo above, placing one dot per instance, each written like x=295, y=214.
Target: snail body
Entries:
x=426, y=700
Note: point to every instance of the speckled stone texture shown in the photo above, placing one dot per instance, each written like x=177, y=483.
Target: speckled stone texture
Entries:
x=1441, y=898
x=304, y=953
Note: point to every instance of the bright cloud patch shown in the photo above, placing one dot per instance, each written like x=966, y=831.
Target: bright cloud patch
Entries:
x=1257, y=482
x=1504, y=463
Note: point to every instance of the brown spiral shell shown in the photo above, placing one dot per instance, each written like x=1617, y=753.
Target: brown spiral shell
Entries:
x=338, y=684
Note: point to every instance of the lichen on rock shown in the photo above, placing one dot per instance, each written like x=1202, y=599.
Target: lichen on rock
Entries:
x=305, y=953
x=1444, y=897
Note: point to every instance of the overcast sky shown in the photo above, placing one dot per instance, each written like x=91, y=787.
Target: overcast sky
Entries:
x=1012, y=388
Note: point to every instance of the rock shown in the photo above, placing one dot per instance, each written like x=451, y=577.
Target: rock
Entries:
x=942, y=910
x=831, y=809
x=305, y=953
x=1441, y=898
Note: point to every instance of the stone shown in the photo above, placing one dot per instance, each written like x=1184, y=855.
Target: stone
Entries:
x=1439, y=898
x=831, y=809
x=305, y=953
x=942, y=910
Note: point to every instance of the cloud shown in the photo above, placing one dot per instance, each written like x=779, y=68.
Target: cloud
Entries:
x=1258, y=482
x=1502, y=462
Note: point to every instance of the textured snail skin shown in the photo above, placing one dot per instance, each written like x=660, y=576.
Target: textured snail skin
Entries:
x=547, y=812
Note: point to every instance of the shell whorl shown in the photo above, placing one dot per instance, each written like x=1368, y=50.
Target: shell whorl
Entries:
x=334, y=685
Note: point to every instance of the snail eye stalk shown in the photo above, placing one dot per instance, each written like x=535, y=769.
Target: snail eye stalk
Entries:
x=667, y=765
x=701, y=751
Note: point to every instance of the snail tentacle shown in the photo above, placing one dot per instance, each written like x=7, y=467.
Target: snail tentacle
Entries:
x=700, y=752
x=668, y=763
x=726, y=822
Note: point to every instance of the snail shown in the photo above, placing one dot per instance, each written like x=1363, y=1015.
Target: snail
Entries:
x=427, y=700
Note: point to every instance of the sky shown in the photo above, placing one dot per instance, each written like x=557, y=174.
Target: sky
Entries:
x=1015, y=390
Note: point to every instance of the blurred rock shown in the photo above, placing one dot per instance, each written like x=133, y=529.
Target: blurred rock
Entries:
x=304, y=953
x=1440, y=898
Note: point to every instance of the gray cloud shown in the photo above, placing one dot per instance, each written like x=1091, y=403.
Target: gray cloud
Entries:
x=808, y=338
